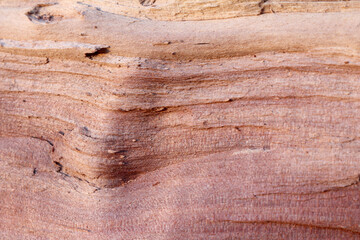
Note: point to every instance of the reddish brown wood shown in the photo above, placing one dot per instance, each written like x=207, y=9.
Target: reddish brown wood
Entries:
x=117, y=121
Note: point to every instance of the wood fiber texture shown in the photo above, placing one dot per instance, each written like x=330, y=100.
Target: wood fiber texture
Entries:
x=169, y=119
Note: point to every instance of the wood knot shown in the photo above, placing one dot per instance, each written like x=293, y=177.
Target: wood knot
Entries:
x=37, y=15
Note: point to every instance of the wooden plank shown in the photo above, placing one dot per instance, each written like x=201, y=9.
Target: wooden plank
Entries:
x=129, y=124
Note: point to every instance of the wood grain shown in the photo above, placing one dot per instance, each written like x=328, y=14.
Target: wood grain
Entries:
x=130, y=124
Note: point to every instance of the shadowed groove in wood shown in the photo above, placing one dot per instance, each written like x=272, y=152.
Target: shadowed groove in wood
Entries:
x=108, y=155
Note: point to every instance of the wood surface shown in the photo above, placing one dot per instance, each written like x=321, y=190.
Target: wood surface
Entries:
x=175, y=119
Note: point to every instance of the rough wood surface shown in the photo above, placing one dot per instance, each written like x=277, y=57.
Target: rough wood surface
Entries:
x=117, y=121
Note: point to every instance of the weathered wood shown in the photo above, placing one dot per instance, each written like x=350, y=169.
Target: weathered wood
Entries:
x=117, y=121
